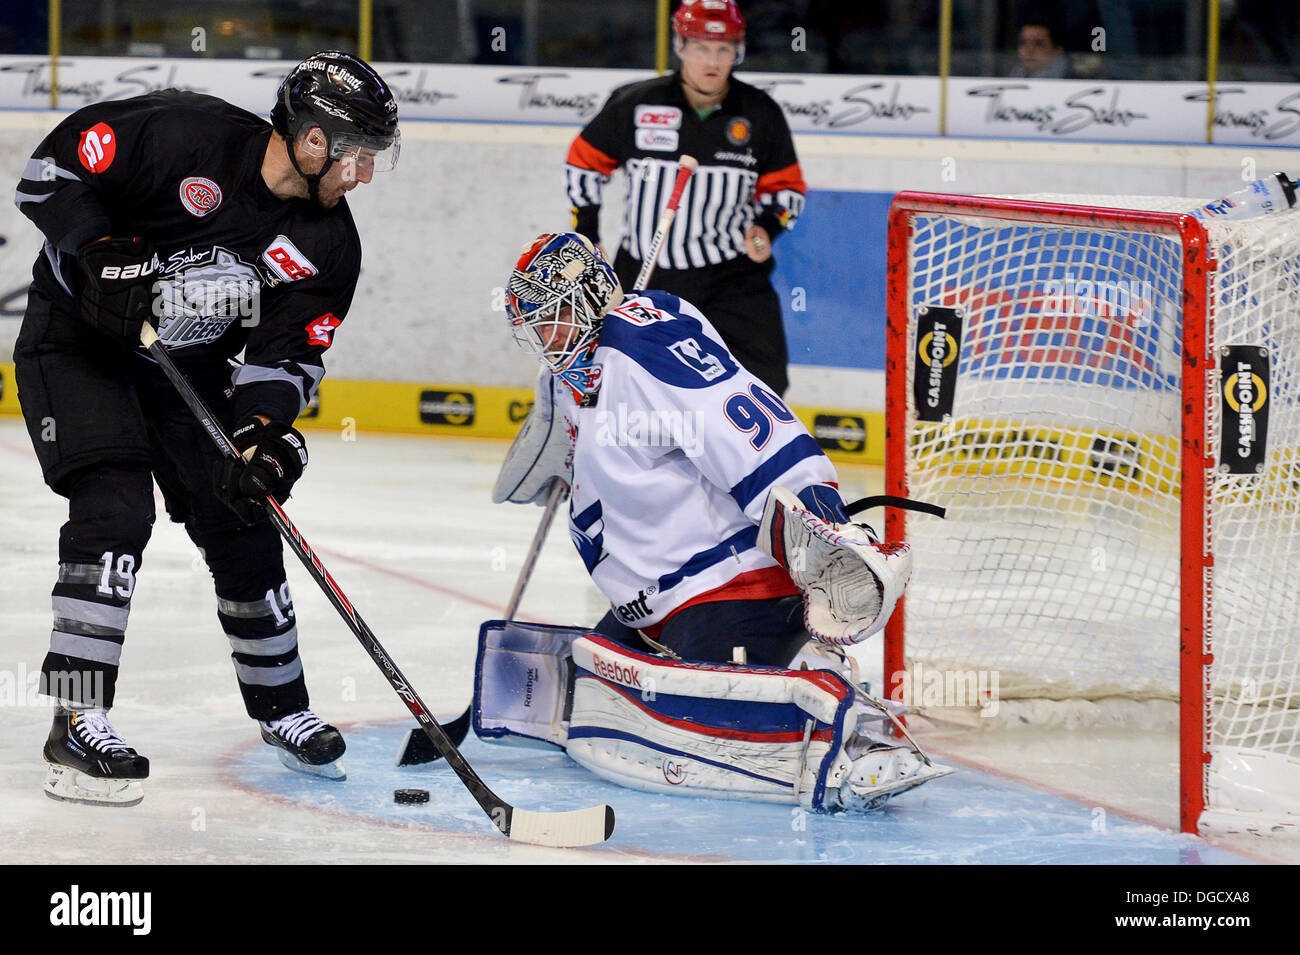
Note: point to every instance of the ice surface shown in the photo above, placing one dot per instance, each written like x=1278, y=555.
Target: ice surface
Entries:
x=406, y=526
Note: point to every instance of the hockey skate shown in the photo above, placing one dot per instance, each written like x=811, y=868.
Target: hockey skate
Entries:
x=306, y=744
x=881, y=771
x=89, y=763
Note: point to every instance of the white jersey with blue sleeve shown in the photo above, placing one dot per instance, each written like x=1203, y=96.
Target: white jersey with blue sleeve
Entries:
x=674, y=460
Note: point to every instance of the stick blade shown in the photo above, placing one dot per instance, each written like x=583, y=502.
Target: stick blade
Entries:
x=417, y=748
x=562, y=830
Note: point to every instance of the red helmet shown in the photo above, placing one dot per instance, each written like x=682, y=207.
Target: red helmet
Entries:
x=710, y=20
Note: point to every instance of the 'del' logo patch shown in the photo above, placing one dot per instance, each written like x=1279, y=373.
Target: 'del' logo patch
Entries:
x=97, y=147
x=200, y=195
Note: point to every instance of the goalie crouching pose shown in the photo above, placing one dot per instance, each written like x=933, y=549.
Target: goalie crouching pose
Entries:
x=711, y=520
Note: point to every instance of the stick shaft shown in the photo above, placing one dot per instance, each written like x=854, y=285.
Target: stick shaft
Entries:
x=496, y=808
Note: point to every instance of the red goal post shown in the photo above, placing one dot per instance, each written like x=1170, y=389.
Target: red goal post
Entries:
x=1054, y=418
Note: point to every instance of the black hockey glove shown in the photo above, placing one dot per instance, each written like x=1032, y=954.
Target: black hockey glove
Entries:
x=118, y=294
x=277, y=461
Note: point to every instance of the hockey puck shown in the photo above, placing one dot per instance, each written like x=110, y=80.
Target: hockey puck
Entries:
x=410, y=797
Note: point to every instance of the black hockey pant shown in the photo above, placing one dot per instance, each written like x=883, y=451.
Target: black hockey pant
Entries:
x=103, y=419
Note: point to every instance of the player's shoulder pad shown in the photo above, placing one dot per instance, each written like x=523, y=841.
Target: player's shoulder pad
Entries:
x=658, y=332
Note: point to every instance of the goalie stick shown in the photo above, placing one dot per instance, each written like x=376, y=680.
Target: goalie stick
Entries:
x=581, y=827
x=415, y=748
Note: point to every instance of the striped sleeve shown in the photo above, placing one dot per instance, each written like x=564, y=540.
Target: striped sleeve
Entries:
x=586, y=172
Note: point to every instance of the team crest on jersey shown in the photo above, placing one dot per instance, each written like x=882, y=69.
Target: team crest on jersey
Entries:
x=657, y=117
x=738, y=131
x=690, y=353
x=97, y=147
x=202, y=293
x=284, y=259
x=200, y=195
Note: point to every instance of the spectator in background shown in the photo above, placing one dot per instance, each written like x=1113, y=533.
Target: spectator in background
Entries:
x=1040, y=54
x=747, y=192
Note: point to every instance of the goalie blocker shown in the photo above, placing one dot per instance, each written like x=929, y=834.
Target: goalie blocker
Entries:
x=701, y=729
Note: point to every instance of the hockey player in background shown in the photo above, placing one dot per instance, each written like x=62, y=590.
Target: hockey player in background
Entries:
x=712, y=522
x=229, y=234
x=747, y=192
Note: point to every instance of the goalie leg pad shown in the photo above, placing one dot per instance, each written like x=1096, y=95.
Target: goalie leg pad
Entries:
x=522, y=683
x=709, y=729
x=849, y=580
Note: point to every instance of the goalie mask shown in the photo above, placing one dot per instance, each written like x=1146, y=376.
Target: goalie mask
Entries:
x=557, y=295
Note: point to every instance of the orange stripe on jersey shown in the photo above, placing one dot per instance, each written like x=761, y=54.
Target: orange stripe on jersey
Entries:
x=751, y=585
x=788, y=178
x=586, y=156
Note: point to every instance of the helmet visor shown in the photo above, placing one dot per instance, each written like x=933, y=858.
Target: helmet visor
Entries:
x=373, y=153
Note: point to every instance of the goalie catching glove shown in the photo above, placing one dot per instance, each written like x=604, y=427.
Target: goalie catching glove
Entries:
x=850, y=581
x=272, y=458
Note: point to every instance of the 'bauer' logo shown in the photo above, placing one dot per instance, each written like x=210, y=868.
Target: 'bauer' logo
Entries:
x=938, y=345
x=1244, y=372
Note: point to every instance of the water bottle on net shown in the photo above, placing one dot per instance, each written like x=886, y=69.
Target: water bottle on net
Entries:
x=1272, y=194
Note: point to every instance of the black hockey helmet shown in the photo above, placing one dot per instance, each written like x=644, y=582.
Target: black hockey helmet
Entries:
x=348, y=100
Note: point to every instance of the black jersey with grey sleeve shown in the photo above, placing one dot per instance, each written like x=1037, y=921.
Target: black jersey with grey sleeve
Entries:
x=241, y=270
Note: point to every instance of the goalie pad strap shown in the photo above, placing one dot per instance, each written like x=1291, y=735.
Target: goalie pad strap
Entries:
x=711, y=729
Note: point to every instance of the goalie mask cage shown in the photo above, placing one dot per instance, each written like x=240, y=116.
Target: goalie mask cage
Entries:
x=1105, y=394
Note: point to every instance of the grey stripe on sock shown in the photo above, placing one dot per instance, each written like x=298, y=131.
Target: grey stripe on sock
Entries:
x=268, y=676
x=266, y=646
x=87, y=612
x=251, y=608
x=85, y=648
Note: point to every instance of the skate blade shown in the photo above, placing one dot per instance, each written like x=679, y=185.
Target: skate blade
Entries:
x=68, y=785
x=334, y=770
x=876, y=799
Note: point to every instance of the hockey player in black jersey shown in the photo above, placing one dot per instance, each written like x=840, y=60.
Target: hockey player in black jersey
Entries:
x=230, y=235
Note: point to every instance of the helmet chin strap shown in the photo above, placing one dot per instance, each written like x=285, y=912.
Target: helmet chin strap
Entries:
x=313, y=179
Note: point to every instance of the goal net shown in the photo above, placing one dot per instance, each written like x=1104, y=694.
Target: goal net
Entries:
x=1105, y=395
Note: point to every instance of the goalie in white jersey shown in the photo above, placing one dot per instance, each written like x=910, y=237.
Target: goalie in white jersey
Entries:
x=712, y=521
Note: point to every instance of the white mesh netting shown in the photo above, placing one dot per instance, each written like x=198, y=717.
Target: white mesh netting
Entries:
x=1058, y=565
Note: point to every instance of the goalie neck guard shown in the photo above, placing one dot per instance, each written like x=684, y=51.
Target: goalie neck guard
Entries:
x=556, y=298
